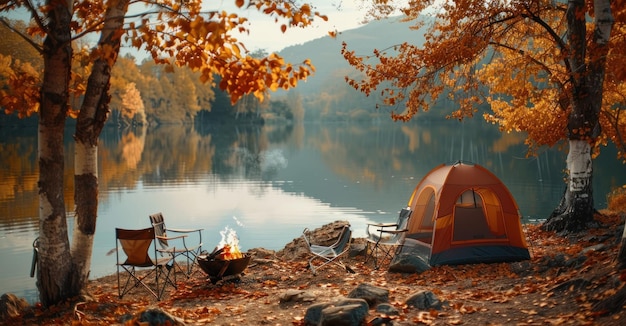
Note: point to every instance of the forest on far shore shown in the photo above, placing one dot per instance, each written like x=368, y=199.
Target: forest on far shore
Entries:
x=147, y=93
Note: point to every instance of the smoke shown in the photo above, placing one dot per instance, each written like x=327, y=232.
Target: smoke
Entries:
x=273, y=160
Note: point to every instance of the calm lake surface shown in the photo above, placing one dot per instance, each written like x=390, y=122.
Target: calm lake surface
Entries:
x=267, y=183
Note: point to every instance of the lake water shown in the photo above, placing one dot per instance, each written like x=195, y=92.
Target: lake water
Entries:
x=267, y=183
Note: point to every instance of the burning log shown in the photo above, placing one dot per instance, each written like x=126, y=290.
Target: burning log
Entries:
x=229, y=253
x=226, y=260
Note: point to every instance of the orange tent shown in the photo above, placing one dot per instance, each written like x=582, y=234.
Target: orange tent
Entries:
x=463, y=213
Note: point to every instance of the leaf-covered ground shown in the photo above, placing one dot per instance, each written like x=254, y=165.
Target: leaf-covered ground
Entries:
x=561, y=285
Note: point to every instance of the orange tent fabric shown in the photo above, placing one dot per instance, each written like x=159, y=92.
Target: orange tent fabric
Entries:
x=465, y=214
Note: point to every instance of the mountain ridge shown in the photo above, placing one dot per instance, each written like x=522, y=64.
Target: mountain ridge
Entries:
x=325, y=52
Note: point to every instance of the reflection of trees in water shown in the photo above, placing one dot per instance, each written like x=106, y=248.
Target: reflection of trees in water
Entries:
x=236, y=148
x=132, y=147
x=18, y=178
x=174, y=153
x=375, y=152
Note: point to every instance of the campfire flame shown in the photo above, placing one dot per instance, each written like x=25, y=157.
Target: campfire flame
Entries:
x=229, y=245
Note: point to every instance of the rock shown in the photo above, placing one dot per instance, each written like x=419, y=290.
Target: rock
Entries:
x=156, y=316
x=325, y=235
x=342, y=312
x=344, y=315
x=263, y=256
x=387, y=309
x=413, y=258
x=407, y=263
x=293, y=295
x=262, y=253
x=313, y=313
x=424, y=300
x=357, y=249
x=11, y=306
x=373, y=295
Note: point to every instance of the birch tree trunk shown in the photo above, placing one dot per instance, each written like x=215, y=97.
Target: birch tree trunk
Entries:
x=91, y=119
x=575, y=211
x=54, y=254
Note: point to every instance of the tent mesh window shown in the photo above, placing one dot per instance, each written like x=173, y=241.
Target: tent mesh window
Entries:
x=470, y=221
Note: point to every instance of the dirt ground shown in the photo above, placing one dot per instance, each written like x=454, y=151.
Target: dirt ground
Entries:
x=561, y=285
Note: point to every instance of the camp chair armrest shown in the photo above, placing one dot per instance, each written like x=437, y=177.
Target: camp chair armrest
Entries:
x=383, y=225
x=393, y=231
x=184, y=230
x=171, y=238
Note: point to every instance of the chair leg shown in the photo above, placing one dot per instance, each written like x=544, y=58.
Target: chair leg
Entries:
x=192, y=261
x=328, y=261
x=165, y=275
x=191, y=258
x=385, y=253
x=138, y=281
x=373, y=254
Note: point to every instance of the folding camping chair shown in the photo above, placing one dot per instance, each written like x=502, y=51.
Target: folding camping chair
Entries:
x=136, y=245
x=329, y=254
x=183, y=249
x=387, y=238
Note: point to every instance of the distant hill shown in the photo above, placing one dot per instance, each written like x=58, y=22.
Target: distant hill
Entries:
x=325, y=52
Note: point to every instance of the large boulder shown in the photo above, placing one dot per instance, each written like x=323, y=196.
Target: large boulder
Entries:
x=344, y=312
x=325, y=235
x=413, y=258
x=424, y=300
x=370, y=293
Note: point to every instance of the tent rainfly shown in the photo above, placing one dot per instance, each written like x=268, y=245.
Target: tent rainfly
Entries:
x=462, y=214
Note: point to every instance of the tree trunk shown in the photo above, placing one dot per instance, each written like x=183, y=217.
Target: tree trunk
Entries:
x=54, y=255
x=91, y=119
x=575, y=211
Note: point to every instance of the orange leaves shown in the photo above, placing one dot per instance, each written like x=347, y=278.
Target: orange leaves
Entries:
x=19, y=89
x=257, y=76
x=464, y=309
x=296, y=17
x=205, y=43
x=500, y=53
x=426, y=317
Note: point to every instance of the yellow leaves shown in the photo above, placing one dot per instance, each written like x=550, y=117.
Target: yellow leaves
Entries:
x=19, y=87
x=524, y=78
x=197, y=22
x=305, y=9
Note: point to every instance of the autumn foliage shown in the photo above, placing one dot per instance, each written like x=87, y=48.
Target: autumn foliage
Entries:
x=76, y=80
x=563, y=284
x=174, y=33
x=511, y=55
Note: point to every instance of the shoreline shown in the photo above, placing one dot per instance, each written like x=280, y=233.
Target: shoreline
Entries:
x=561, y=284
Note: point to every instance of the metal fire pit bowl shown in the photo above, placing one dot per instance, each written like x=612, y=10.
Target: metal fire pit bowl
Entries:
x=218, y=269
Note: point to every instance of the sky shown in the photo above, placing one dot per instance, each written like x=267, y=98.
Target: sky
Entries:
x=265, y=34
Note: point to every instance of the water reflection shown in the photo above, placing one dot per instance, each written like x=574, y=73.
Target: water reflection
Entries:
x=269, y=182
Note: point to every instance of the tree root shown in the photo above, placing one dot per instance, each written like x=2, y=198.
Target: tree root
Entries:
x=611, y=304
x=569, y=223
